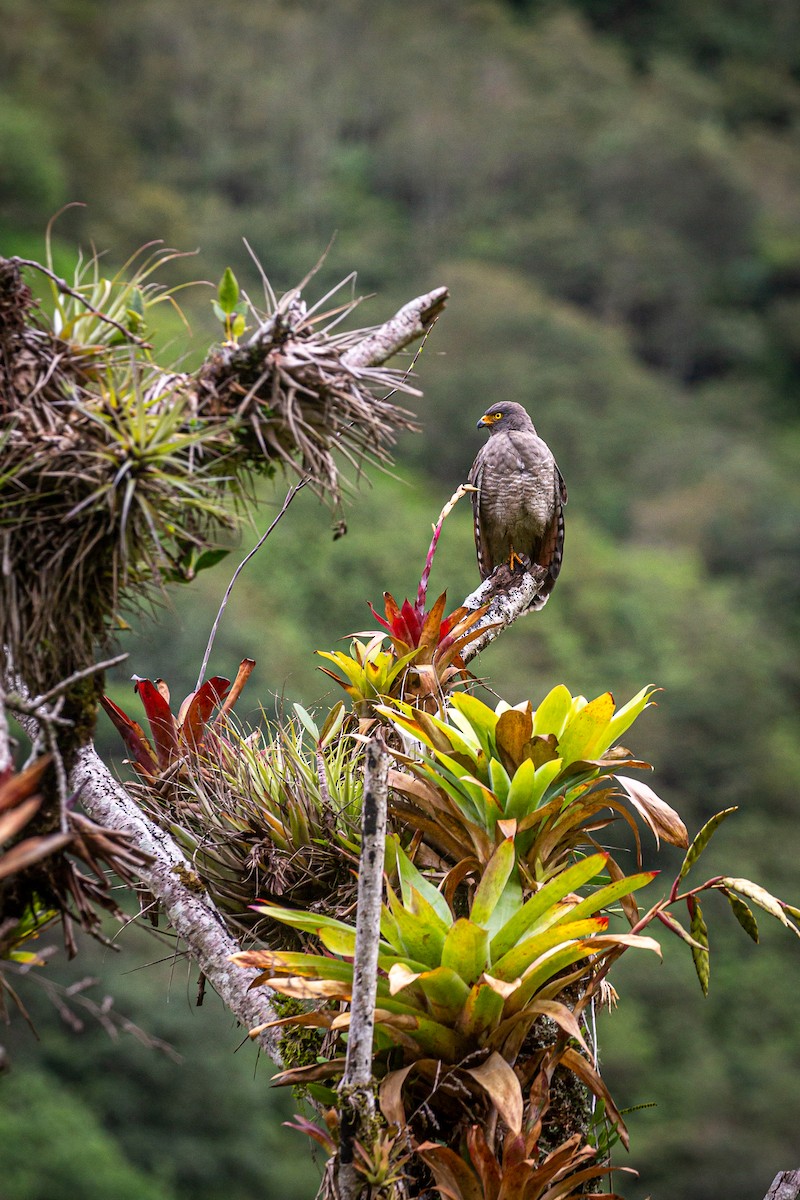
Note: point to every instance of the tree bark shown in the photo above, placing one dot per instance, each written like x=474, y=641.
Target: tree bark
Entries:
x=507, y=594
x=180, y=893
x=5, y=745
x=357, y=1087
x=785, y=1186
x=413, y=321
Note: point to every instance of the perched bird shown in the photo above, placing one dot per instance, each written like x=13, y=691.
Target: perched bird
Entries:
x=518, y=502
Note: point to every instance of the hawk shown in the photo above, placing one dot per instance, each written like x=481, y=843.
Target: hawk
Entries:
x=518, y=502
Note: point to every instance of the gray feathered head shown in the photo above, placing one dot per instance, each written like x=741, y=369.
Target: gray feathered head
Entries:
x=504, y=416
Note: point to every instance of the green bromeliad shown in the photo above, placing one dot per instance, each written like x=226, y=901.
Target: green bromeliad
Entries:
x=552, y=770
x=449, y=985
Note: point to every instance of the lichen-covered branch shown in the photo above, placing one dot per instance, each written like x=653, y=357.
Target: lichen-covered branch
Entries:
x=785, y=1186
x=356, y=1089
x=508, y=595
x=358, y=1070
x=180, y=894
x=5, y=746
x=412, y=322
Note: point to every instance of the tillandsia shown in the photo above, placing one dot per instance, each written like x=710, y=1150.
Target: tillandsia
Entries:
x=143, y=466
x=273, y=810
x=286, y=382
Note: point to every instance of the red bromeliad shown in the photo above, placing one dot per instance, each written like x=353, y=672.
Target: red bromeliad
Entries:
x=410, y=626
x=176, y=737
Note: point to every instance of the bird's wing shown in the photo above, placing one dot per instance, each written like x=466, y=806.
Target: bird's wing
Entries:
x=552, y=551
x=485, y=563
x=561, y=487
x=558, y=526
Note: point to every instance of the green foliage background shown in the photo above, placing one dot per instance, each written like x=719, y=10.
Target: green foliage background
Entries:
x=612, y=194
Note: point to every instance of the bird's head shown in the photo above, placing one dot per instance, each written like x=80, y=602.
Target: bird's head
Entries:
x=505, y=415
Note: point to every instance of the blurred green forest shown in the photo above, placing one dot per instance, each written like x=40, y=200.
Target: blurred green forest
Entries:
x=611, y=191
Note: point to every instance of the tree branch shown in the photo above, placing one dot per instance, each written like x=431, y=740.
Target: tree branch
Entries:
x=411, y=322
x=178, y=889
x=785, y=1186
x=358, y=1069
x=357, y=1086
x=5, y=744
x=508, y=594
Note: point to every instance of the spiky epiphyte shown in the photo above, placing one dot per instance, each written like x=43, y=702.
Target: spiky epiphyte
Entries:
x=102, y=447
x=273, y=812
x=140, y=467
x=296, y=398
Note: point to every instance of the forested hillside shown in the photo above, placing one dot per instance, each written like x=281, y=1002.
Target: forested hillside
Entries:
x=611, y=192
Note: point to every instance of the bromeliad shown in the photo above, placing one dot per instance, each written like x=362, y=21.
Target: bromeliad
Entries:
x=553, y=770
x=176, y=738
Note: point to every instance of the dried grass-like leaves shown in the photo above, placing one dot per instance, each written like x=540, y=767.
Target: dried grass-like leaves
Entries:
x=298, y=402
x=50, y=873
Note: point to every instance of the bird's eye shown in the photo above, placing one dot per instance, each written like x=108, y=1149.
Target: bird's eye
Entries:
x=495, y=416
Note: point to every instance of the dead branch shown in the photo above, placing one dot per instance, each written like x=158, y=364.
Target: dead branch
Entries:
x=5, y=746
x=411, y=322
x=357, y=1086
x=785, y=1186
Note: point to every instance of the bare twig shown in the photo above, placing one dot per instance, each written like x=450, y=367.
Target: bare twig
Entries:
x=48, y=722
x=5, y=741
x=290, y=495
x=75, y=677
x=65, y=998
x=357, y=1086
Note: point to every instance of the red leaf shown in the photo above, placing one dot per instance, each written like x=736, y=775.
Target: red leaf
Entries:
x=379, y=618
x=454, y=1178
x=396, y=624
x=30, y=851
x=133, y=736
x=242, y=676
x=302, y=1125
x=413, y=623
x=484, y=1160
x=433, y=628
x=202, y=705
x=162, y=722
x=19, y=786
